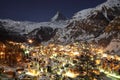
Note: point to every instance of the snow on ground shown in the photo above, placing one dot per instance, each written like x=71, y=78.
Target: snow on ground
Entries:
x=109, y=4
x=83, y=14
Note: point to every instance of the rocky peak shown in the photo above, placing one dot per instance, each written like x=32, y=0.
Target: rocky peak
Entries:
x=58, y=17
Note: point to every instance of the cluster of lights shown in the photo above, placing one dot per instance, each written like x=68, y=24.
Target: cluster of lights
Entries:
x=61, y=60
x=54, y=51
x=58, y=56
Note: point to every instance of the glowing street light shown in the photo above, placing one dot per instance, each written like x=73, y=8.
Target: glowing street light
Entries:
x=30, y=41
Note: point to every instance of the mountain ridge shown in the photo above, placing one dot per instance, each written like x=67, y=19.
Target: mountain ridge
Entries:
x=87, y=25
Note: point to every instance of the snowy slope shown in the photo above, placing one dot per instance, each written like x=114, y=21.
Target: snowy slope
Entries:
x=22, y=30
x=90, y=24
x=109, y=6
x=83, y=14
x=27, y=27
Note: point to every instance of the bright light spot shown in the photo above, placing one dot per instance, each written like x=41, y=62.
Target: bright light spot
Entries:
x=22, y=46
x=76, y=53
x=98, y=61
x=30, y=41
x=33, y=73
x=117, y=58
x=26, y=52
x=54, y=49
x=19, y=72
x=1, y=53
x=71, y=74
x=96, y=72
x=104, y=55
x=94, y=79
x=33, y=54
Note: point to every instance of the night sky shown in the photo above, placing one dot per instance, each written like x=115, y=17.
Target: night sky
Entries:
x=42, y=10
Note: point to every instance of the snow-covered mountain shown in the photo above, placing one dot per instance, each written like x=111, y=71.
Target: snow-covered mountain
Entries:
x=97, y=25
x=108, y=9
x=27, y=29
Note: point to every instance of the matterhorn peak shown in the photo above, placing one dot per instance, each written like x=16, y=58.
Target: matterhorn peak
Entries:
x=58, y=17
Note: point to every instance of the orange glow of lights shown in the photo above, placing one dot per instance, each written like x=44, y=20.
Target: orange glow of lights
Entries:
x=34, y=54
x=1, y=53
x=117, y=57
x=104, y=55
x=18, y=59
x=22, y=46
x=71, y=74
x=33, y=72
x=30, y=41
x=98, y=61
x=19, y=72
x=100, y=51
x=96, y=72
x=75, y=53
